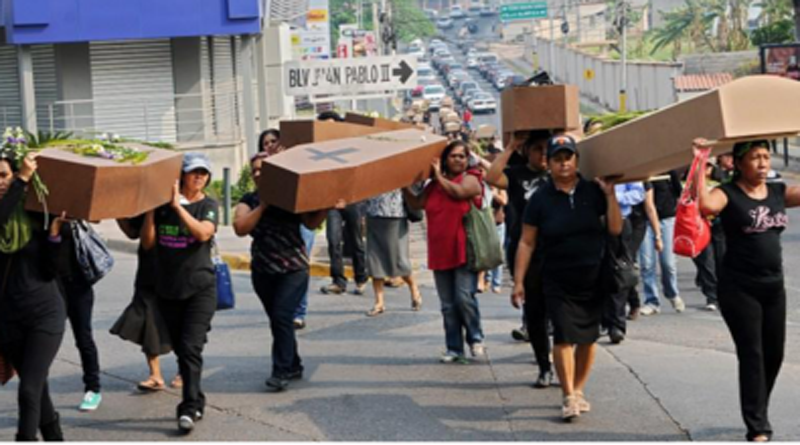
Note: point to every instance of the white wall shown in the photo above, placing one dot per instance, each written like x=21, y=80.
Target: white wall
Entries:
x=649, y=83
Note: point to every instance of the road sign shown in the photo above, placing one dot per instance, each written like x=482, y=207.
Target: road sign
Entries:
x=588, y=74
x=350, y=76
x=523, y=11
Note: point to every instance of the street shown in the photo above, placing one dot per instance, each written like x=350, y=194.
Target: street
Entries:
x=673, y=378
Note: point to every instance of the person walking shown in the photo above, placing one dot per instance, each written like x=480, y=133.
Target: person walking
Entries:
x=33, y=312
x=446, y=200
x=666, y=192
x=79, y=295
x=751, y=292
x=141, y=322
x=388, y=248
x=565, y=219
x=522, y=181
x=182, y=232
x=706, y=262
x=615, y=315
x=642, y=217
x=280, y=273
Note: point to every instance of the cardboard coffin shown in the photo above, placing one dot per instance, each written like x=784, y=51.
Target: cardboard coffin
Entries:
x=385, y=124
x=95, y=189
x=546, y=107
x=756, y=107
x=300, y=132
x=315, y=176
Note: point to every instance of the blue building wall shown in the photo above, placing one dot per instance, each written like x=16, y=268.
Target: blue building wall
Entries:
x=61, y=21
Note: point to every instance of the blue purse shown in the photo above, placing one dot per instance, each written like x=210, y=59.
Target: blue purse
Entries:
x=226, y=299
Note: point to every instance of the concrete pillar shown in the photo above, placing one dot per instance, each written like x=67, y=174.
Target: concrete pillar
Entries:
x=278, y=51
x=261, y=76
x=26, y=88
x=248, y=96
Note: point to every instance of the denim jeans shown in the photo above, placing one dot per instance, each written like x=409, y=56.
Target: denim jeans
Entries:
x=495, y=276
x=308, y=238
x=346, y=223
x=669, y=269
x=456, y=289
x=280, y=294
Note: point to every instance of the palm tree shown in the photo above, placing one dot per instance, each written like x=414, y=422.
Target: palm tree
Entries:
x=773, y=11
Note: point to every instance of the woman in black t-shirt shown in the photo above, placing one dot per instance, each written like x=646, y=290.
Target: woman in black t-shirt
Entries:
x=181, y=233
x=32, y=310
x=279, y=272
x=564, y=219
x=751, y=292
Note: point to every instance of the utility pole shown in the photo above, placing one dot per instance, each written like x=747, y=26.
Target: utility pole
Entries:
x=623, y=24
x=578, y=21
x=552, y=62
x=564, y=32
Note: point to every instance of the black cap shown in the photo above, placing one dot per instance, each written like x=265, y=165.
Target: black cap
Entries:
x=561, y=143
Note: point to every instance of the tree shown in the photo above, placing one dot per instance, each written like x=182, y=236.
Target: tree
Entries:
x=410, y=22
x=778, y=32
x=797, y=20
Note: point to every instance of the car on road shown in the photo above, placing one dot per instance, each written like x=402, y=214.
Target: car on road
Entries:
x=465, y=86
x=434, y=95
x=472, y=62
x=486, y=70
x=423, y=82
x=444, y=23
x=474, y=10
x=469, y=95
x=485, y=59
x=514, y=80
x=482, y=103
x=451, y=66
x=455, y=79
x=499, y=81
x=472, y=26
x=487, y=11
x=457, y=12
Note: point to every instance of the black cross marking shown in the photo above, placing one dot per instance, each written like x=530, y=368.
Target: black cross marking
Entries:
x=332, y=155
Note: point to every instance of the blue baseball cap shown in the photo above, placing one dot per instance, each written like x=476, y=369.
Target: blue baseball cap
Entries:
x=195, y=161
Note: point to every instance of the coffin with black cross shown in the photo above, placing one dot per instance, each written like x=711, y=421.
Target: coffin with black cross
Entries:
x=315, y=176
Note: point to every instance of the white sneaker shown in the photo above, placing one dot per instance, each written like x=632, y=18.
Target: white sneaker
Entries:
x=452, y=357
x=678, y=304
x=649, y=309
x=478, y=350
x=711, y=307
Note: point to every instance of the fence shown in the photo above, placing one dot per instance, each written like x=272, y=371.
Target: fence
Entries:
x=173, y=118
x=650, y=84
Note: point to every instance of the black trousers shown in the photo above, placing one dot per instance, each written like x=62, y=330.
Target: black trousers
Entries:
x=280, y=294
x=80, y=304
x=614, y=315
x=346, y=225
x=756, y=317
x=189, y=321
x=32, y=358
x=638, y=232
x=536, y=316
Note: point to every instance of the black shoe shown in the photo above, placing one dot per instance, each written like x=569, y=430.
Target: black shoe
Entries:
x=520, y=334
x=294, y=375
x=20, y=438
x=277, y=384
x=616, y=336
x=545, y=380
x=52, y=431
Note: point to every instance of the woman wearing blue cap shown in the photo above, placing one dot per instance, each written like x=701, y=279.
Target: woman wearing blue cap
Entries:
x=568, y=218
x=181, y=233
x=751, y=290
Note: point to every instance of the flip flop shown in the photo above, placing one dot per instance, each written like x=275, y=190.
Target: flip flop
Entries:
x=151, y=385
x=177, y=382
x=374, y=312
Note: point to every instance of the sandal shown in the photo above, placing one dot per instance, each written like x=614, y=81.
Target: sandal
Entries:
x=151, y=385
x=374, y=312
x=177, y=382
x=416, y=303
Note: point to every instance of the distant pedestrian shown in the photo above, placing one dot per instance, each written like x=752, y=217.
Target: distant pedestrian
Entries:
x=388, y=248
x=564, y=218
x=666, y=192
x=280, y=274
x=707, y=262
x=269, y=142
x=446, y=200
x=752, y=293
x=181, y=232
x=33, y=312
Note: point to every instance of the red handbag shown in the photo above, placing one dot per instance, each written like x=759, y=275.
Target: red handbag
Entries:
x=692, y=231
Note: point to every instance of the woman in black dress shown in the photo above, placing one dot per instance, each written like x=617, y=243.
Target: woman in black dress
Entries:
x=564, y=218
x=751, y=291
x=32, y=311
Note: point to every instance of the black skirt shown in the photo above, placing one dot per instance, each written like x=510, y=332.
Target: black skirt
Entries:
x=141, y=323
x=575, y=306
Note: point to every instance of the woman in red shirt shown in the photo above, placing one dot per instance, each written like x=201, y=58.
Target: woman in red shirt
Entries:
x=446, y=199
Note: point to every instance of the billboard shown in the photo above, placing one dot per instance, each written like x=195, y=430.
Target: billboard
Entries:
x=781, y=60
x=312, y=41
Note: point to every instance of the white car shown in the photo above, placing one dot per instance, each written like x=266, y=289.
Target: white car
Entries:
x=472, y=62
x=444, y=23
x=434, y=95
x=456, y=12
x=482, y=103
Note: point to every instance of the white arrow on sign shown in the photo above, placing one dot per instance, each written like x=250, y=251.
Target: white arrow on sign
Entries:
x=350, y=76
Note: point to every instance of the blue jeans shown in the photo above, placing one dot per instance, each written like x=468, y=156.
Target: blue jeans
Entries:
x=308, y=238
x=280, y=294
x=495, y=276
x=456, y=289
x=669, y=269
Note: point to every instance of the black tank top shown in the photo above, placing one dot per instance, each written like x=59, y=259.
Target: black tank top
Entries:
x=752, y=233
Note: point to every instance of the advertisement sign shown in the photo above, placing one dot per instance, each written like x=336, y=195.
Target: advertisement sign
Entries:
x=781, y=60
x=313, y=40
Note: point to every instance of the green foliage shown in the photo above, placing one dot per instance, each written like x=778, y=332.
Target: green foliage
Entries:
x=778, y=32
x=344, y=12
x=242, y=186
x=410, y=22
x=611, y=120
x=44, y=138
